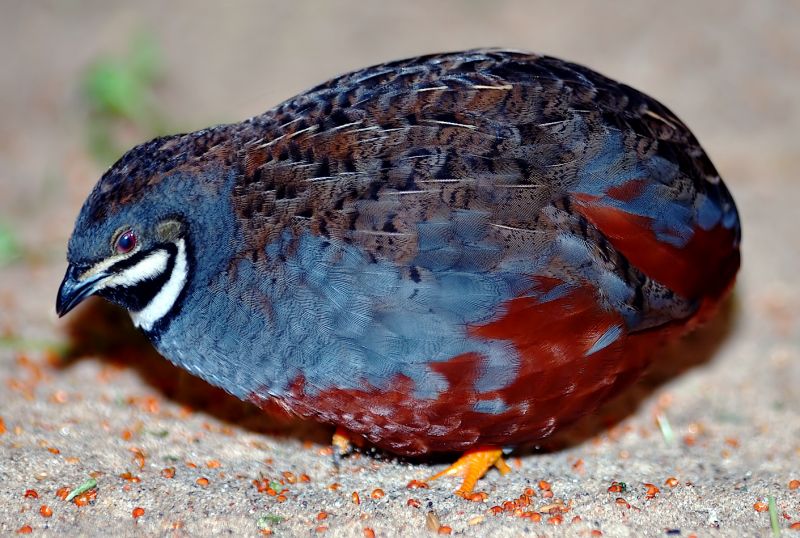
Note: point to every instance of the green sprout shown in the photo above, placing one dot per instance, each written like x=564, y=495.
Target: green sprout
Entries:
x=10, y=248
x=91, y=483
x=264, y=522
x=666, y=429
x=119, y=92
x=773, y=516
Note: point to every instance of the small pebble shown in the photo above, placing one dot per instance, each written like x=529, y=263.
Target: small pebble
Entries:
x=432, y=521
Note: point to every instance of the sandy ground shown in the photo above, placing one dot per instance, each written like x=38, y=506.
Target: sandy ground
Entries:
x=730, y=69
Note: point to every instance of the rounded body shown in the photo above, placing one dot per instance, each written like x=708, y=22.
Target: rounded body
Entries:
x=448, y=251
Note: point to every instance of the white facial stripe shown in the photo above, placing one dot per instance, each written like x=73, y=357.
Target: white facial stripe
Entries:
x=150, y=267
x=105, y=264
x=158, y=307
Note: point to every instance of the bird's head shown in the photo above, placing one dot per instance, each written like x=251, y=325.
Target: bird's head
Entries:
x=132, y=241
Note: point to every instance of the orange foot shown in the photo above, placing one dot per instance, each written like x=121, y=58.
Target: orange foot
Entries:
x=472, y=466
x=342, y=442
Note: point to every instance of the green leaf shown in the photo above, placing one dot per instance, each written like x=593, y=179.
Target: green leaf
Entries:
x=773, y=516
x=145, y=57
x=666, y=429
x=10, y=249
x=264, y=522
x=61, y=349
x=119, y=92
x=91, y=483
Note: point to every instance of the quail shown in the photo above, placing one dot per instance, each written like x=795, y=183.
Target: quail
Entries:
x=457, y=252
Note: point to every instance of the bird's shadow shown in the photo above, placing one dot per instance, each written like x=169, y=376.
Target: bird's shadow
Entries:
x=101, y=330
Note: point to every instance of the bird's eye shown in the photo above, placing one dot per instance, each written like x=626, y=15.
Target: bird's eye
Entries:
x=126, y=242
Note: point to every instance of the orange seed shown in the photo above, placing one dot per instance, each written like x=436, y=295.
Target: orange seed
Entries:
x=130, y=478
x=477, y=496
x=652, y=490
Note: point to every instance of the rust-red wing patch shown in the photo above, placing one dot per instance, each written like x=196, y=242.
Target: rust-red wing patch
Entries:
x=629, y=190
x=704, y=267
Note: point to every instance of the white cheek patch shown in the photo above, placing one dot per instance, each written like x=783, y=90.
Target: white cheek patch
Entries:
x=164, y=300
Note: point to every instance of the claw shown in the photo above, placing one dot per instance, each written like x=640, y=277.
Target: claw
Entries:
x=341, y=441
x=472, y=466
x=341, y=446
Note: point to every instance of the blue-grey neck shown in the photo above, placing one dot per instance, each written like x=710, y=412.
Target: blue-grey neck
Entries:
x=202, y=316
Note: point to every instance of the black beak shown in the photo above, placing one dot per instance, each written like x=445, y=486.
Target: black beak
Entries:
x=73, y=290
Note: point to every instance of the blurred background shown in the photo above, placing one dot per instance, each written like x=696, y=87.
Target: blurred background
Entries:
x=81, y=81
x=84, y=80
